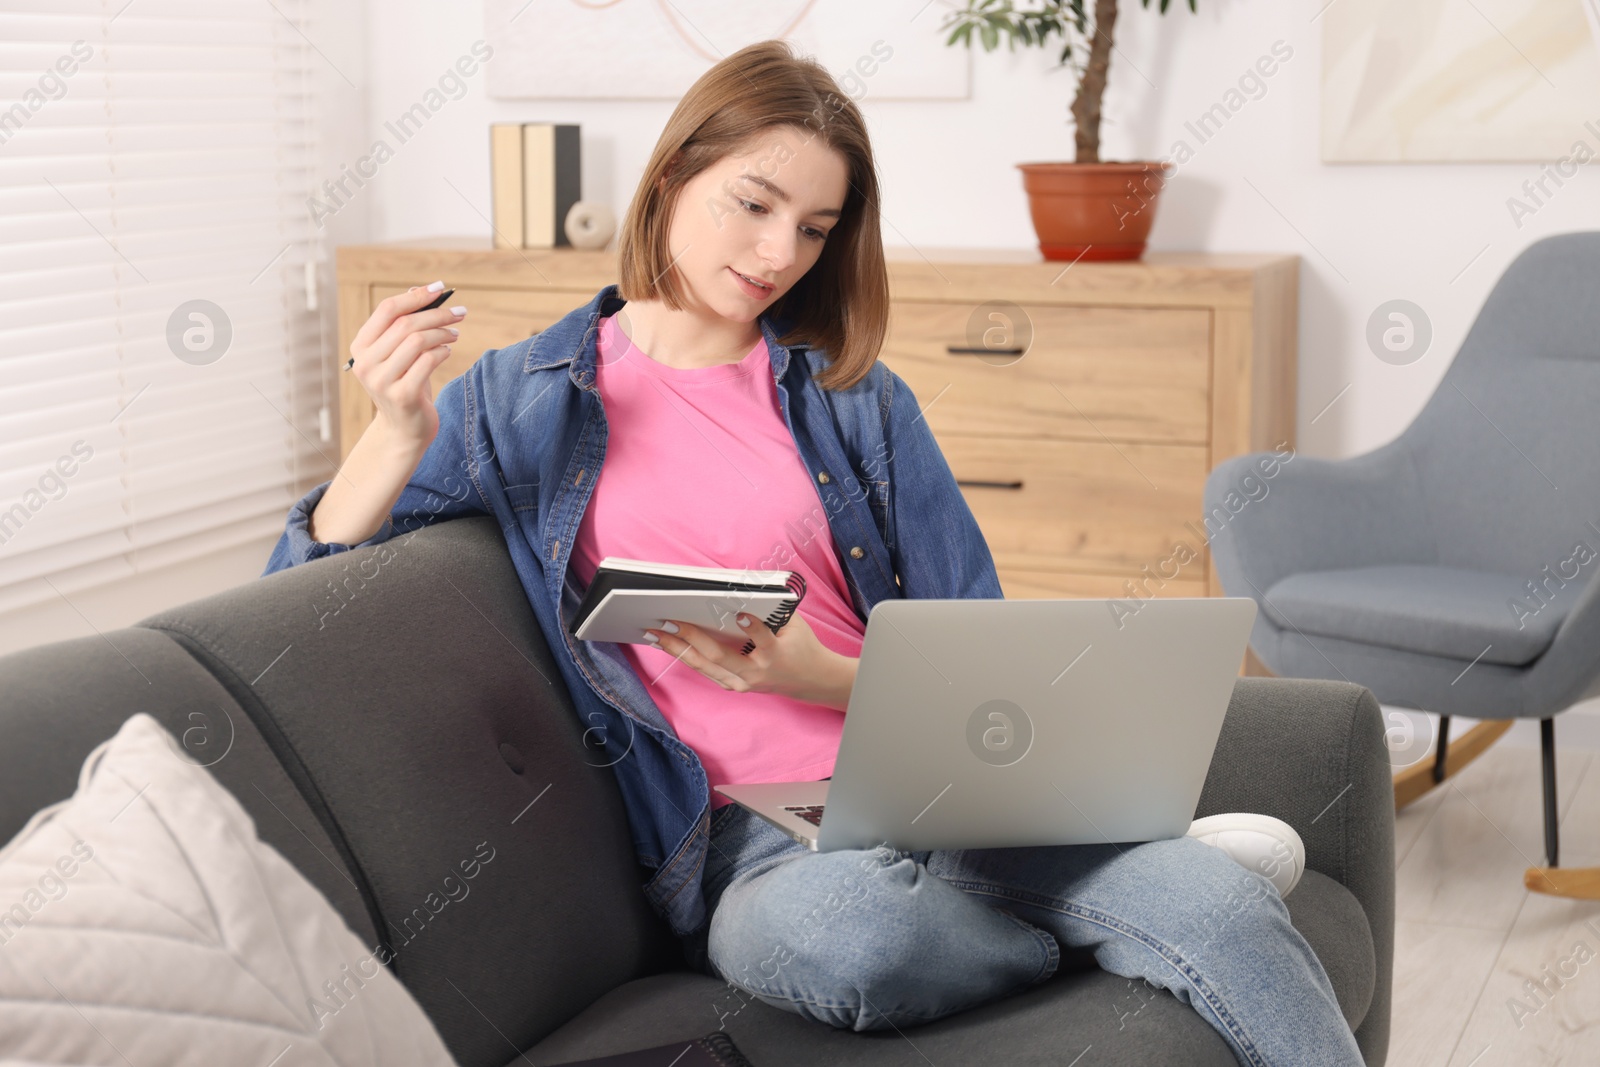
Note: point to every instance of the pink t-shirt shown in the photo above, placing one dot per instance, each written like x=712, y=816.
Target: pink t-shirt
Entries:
x=701, y=469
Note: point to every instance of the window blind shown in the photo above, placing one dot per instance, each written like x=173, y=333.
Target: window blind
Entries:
x=163, y=377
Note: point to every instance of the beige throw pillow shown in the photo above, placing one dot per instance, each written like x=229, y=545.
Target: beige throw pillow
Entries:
x=142, y=921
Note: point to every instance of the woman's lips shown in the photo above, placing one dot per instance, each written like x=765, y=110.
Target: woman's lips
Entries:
x=755, y=291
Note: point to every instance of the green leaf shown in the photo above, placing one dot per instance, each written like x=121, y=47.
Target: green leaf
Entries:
x=1033, y=26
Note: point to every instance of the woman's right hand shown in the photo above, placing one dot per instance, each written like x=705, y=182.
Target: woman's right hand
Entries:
x=396, y=352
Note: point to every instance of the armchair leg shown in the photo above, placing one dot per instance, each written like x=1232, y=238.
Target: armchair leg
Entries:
x=1439, y=747
x=1580, y=883
x=1417, y=780
x=1547, y=748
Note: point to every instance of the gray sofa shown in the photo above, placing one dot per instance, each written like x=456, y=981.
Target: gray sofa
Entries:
x=378, y=745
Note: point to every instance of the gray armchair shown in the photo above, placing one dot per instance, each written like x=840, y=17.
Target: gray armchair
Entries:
x=1448, y=570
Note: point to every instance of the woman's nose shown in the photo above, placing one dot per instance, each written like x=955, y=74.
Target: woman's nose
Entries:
x=777, y=251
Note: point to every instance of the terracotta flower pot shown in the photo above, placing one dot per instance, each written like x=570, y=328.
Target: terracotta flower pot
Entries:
x=1093, y=210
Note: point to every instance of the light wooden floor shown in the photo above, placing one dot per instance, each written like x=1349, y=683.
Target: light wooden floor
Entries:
x=1468, y=936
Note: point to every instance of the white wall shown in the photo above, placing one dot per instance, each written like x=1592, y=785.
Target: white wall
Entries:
x=1438, y=234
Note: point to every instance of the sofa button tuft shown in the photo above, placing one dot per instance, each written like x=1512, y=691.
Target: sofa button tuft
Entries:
x=512, y=757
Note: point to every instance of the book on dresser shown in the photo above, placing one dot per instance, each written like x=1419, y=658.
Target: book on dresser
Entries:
x=535, y=178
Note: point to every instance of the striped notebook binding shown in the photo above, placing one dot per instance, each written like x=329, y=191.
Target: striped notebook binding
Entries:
x=785, y=609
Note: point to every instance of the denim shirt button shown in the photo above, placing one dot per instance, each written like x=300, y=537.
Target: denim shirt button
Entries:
x=822, y=476
x=856, y=553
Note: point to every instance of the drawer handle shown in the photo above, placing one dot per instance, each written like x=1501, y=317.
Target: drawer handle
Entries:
x=979, y=350
x=989, y=485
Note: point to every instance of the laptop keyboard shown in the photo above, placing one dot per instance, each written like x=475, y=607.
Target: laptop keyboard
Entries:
x=811, y=813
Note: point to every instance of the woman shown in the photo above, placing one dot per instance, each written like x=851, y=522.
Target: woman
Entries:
x=723, y=405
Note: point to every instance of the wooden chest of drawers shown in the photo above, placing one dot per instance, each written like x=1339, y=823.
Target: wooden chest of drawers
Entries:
x=1079, y=406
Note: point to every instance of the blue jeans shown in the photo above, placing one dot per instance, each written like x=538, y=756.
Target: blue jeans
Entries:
x=868, y=938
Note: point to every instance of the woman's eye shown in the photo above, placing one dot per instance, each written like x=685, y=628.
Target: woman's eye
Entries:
x=756, y=209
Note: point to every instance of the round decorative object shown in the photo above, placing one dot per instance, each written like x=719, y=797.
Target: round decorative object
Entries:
x=590, y=224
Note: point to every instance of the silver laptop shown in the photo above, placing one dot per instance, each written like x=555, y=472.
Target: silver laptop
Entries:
x=998, y=723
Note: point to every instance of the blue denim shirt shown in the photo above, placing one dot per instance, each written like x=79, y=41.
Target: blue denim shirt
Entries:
x=522, y=435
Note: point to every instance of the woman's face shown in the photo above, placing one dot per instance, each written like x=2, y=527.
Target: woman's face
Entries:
x=764, y=214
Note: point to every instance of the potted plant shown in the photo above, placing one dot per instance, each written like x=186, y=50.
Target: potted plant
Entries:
x=1086, y=209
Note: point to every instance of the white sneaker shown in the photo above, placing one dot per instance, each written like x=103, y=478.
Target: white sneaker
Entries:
x=1261, y=843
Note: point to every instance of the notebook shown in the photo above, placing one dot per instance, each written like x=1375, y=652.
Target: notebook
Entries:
x=627, y=596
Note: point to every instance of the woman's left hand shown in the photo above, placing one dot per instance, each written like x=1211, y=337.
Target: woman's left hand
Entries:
x=791, y=662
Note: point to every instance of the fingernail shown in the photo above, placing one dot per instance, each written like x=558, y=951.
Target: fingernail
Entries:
x=459, y=309
x=744, y=620
x=652, y=638
x=435, y=287
x=670, y=626
x=453, y=330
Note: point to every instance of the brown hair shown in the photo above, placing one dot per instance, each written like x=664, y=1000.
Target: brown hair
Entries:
x=841, y=305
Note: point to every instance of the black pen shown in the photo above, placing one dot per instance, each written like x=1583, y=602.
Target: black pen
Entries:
x=441, y=298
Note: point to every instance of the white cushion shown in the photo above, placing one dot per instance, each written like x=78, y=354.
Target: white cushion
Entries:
x=142, y=921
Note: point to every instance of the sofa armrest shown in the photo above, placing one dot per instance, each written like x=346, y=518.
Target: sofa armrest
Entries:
x=1312, y=754
x=1312, y=515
